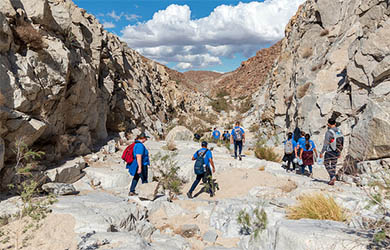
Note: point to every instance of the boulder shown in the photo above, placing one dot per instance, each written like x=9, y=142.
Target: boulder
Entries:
x=179, y=133
x=210, y=236
x=59, y=188
x=109, y=178
x=147, y=191
x=69, y=172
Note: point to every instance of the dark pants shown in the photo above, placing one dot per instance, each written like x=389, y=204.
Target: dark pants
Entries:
x=143, y=175
x=289, y=159
x=303, y=169
x=237, y=144
x=206, y=178
x=330, y=161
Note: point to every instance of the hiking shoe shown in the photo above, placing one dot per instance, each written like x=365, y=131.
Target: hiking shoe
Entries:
x=332, y=181
x=189, y=195
x=235, y=157
x=132, y=193
x=311, y=175
x=211, y=194
x=239, y=157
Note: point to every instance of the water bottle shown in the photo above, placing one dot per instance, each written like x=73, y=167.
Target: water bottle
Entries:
x=320, y=161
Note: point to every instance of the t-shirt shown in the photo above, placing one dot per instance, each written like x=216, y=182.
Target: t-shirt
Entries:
x=234, y=134
x=207, y=156
x=294, y=143
x=216, y=134
x=312, y=146
x=140, y=149
x=301, y=142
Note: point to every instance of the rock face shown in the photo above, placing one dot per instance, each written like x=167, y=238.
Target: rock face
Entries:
x=65, y=82
x=179, y=133
x=333, y=63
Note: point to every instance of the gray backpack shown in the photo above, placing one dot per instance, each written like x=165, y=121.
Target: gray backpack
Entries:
x=337, y=143
x=288, y=147
x=238, y=134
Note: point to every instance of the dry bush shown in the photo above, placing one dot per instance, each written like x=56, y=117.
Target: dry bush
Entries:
x=262, y=168
x=31, y=37
x=245, y=106
x=266, y=153
x=254, y=127
x=220, y=104
x=307, y=52
x=302, y=89
x=318, y=207
x=324, y=32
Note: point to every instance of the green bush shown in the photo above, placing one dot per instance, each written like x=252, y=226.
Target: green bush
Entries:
x=220, y=104
x=252, y=225
x=222, y=93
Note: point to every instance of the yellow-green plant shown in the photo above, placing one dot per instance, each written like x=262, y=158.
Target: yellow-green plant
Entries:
x=252, y=225
x=316, y=206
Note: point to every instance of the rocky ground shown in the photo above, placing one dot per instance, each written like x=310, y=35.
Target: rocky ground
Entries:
x=103, y=216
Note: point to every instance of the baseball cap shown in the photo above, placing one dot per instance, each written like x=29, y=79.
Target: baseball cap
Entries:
x=204, y=143
x=143, y=135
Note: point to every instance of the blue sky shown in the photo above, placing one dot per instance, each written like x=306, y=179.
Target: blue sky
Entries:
x=212, y=35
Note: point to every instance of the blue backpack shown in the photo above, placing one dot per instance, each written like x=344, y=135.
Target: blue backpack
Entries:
x=199, y=166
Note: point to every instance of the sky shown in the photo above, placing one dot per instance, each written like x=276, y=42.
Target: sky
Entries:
x=215, y=35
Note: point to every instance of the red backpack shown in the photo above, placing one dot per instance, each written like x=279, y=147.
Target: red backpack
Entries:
x=127, y=155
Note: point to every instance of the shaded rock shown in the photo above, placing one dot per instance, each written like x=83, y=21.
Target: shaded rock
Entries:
x=59, y=188
x=147, y=191
x=189, y=230
x=210, y=236
x=2, y=151
x=69, y=172
x=179, y=133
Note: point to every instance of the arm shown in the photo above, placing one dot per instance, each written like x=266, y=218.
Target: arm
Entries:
x=212, y=164
x=300, y=154
x=193, y=158
x=326, y=143
x=315, y=151
x=139, y=161
x=231, y=139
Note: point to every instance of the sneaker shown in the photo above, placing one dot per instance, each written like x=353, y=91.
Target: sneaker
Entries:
x=332, y=181
x=235, y=157
x=189, y=195
x=132, y=193
x=211, y=194
x=239, y=157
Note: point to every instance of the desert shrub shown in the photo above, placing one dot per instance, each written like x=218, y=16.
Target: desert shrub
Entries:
x=324, y=32
x=307, y=52
x=302, y=89
x=167, y=173
x=317, y=207
x=254, y=127
x=222, y=93
x=245, y=106
x=266, y=153
x=219, y=105
x=30, y=36
x=252, y=224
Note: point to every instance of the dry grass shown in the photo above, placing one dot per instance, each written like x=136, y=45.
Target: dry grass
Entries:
x=29, y=36
x=318, y=207
x=302, y=89
x=254, y=127
x=307, y=52
x=266, y=153
x=262, y=168
x=324, y=32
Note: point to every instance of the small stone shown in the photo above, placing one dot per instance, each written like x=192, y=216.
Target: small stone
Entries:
x=94, y=158
x=148, y=191
x=210, y=236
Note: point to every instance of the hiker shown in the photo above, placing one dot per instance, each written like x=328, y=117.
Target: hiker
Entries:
x=238, y=139
x=333, y=144
x=300, y=144
x=289, y=147
x=227, y=136
x=216, y=134
x=139, y=166
x=306, y=155
x=205, y=172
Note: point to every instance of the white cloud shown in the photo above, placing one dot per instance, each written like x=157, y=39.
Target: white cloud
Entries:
x=114, y=16
x=108, y=25
x=172, y=36
x=131, y=17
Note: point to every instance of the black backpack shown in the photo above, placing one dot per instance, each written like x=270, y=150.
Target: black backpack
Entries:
x=199, y=166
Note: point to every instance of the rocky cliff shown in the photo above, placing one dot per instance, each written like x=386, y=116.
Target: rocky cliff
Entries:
x=66, y=82
x=334, y=62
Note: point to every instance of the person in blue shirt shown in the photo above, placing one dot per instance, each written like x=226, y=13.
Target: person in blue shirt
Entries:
x=238, y=139
x=216, y=134
x=300, y=144
x=140, y=163
x=289, y=148
x=306, y=155
x=208, y=160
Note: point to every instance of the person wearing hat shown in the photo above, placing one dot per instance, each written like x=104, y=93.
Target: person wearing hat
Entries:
x=208, y=160
x=141, y=162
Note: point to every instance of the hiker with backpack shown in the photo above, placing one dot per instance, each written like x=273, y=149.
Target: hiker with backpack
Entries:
x=216, y=135
x=307, y=155
x=332, y=147
x=137, y=161
x=203, y=159
x=289, y=148
x=300, y=144
x=238, y=139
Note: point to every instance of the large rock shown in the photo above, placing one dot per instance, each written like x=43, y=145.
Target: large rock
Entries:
x=59, y=188
x=179, y=133
x=69, y=172
x=147, y=191
x=109, y=178
x=5, y=34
